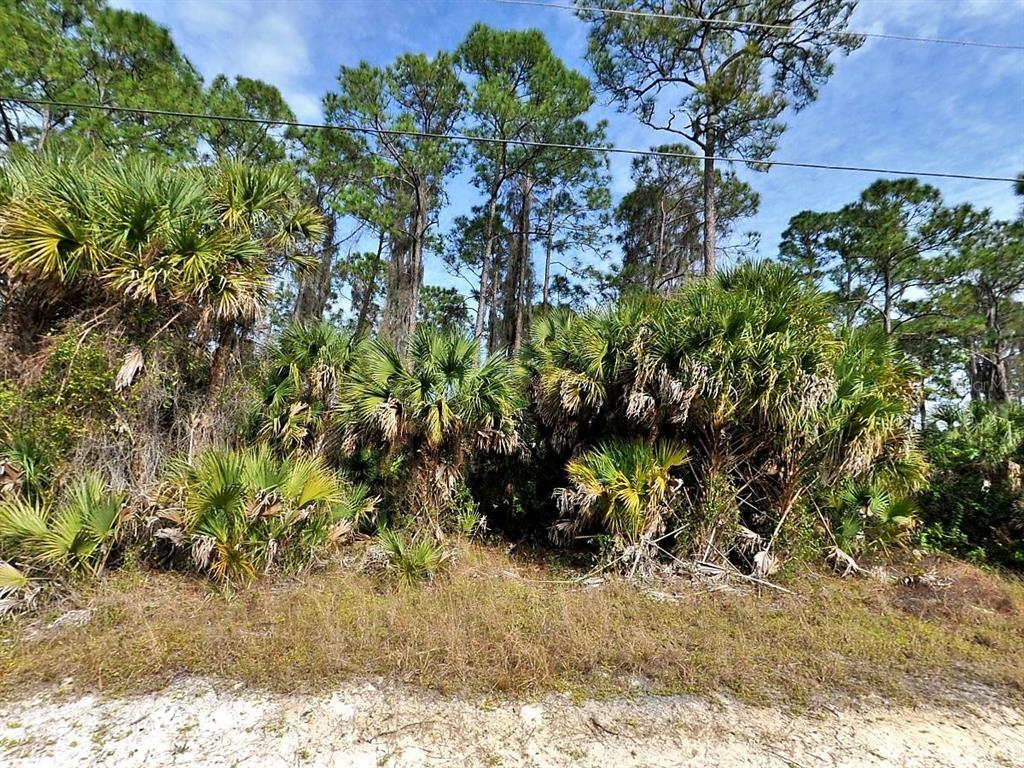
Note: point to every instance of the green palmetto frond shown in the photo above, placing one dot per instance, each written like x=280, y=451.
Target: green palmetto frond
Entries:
x=442, y=394
x=370, y=392
x=750, y=370
x=309, y=481
x=40, y=239
x=72, y=535
x=212, y=239
x=23, y=526
x=246, y=511
x=413, y=561
x=15, y=589
x=11, y=579
x=84, y=524
x=624, y=485
x=868, y=516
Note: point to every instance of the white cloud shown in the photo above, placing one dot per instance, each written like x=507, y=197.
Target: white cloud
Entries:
x=264, y=40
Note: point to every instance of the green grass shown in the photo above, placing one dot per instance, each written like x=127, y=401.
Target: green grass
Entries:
x=480, y=631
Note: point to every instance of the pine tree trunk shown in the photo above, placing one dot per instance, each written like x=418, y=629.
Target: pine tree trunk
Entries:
x=997, y=384
x=710, y=205
x=546, y=291
x=396, y=297
x=886, y=302
x=363, y=319
x=974, y=372
x=416, y=267
x=405, y=275
x=659, y=262
x=315, y=287
x=486, y=268
x=522, y=277
x=207, y=416
x=8, y=130
x=493, y=326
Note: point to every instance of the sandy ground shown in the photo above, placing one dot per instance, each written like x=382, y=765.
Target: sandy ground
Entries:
x=210, y=724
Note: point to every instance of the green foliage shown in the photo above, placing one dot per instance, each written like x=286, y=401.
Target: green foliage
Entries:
x=443, y=309
x=661, y=221
x=975, y=504
x=248, y=142
x=205, y=242
x=437, y=409
x=11, y=579
x=695, y=70
x=523, y=92
x=398, y=189
x=83, y=51
x=626, y=486
x=876, y=253
x=865, y=517
x=298, y=386
x=239, y=513
x=72, y=396
x=412, y=560
x=776, y=407
x=72, y=535
x=15, y=589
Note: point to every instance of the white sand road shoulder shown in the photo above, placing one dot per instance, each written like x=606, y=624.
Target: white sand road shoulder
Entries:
x=204, y=723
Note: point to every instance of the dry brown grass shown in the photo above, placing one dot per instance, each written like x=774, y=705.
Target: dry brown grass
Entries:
x=483, y=630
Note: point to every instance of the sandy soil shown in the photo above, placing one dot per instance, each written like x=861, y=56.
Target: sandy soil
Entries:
x=210, y=724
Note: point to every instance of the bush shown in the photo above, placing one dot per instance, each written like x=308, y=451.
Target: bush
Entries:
x=238, y=513
x=73, y=536
x=412, y=560
x=624, y=487
x=298, y=386
x=777, y=408
x=436, y=411
x=70, y=396
x=975, y=504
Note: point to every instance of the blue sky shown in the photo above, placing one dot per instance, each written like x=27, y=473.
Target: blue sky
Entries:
x=903, y=105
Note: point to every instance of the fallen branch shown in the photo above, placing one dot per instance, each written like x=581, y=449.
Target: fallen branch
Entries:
x=745, y=577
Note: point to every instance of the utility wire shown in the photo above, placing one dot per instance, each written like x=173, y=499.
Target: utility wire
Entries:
x=758, y=25
x=611, y=150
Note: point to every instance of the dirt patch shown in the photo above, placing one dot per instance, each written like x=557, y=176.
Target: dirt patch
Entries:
x=197, y=722
x=946, y=589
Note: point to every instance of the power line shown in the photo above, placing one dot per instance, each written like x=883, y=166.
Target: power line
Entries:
x=758, y=25
x=610, y=150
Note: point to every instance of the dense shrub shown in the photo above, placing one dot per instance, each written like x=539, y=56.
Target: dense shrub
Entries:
x=777, y=408
x=237, y=513
x=624, y=486
x=70, y=396
x=436, y=411
x=975, y=503
x=298, y=387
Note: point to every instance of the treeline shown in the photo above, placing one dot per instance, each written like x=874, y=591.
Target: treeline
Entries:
x=544, y=225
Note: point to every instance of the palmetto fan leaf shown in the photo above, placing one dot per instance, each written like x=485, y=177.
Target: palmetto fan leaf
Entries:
x=23, y=525
x=72, y=534
x=40, y=238
x=625, y=485
x=299, y=387
x=432, y=407
x=11, y=579
x=209, y=240
x=247, y=511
